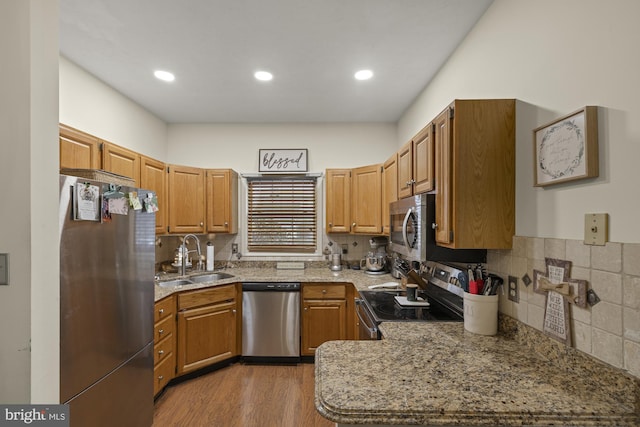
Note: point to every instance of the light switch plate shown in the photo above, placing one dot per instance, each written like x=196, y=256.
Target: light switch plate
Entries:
x=596, y=229
x=4, y=269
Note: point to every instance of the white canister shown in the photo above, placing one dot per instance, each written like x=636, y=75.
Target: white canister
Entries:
x=481, y=314
x=209, y=256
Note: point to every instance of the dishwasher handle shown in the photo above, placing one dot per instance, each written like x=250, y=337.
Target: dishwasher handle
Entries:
x=271, y=286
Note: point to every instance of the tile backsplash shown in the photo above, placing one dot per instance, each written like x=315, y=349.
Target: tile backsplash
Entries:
x=357, y=247
x=609, y=330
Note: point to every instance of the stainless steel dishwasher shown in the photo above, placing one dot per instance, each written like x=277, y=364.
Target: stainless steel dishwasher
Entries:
x=271, y=322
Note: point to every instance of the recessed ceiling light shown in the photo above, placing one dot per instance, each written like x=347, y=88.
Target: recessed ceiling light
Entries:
x=164, y=75
x=264, y=76
x=363, y=75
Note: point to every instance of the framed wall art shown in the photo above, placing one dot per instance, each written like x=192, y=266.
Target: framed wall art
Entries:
x=282, y=161
x=567, y=148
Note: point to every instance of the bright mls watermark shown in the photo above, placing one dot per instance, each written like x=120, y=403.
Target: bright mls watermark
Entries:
x=37, y=415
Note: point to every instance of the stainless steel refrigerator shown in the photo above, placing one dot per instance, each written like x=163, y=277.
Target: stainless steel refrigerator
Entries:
x=106, y=307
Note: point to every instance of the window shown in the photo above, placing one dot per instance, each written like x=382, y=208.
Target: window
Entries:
x=281, y=214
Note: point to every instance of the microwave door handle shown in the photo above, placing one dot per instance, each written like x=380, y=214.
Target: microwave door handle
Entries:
x=404, y=229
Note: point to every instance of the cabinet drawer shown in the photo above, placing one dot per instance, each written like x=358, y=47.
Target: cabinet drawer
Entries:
x=163, y=309
x=163, y=349
x=164, y=328
x=324, y=291
x=163, y=373
x=206, y=296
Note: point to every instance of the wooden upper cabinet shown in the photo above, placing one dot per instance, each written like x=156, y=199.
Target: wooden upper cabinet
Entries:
x=121, y=161
x=186, y=199
x=338, y=201
x=78, y=150
x=405, y=170
x=415, y=164
x=153, y=176
x=222, y=201
x=389, y=189
x=475, y=174
x=366, y=201
x=423, y=161
x=444, y=190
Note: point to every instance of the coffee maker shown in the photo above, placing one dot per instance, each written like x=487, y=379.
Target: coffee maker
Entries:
x=377, y=261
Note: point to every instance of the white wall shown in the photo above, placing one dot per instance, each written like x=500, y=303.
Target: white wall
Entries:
x=29, y=309
x=236, y=145
x=92, y=106
x=555, y=57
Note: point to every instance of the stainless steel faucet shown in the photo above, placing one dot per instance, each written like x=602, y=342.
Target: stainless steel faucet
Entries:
x=183, y=267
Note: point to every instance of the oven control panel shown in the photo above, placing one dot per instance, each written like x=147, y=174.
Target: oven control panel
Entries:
x=444, y=276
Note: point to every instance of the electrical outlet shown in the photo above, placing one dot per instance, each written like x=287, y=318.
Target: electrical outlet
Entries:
x=512, y=292
x=234, y=248
x=345, y=248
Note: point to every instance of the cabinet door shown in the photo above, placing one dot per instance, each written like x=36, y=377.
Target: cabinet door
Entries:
x=153, y=177
x=366, y=207
x=423, y=161
x=443, y=177
x=121, y=161
x=405, y=170
x=389, y=189
x=186, y=199
x=78, y=150
x=322, y=320
x=222, y=201
x=338, y=201
x=206, y=335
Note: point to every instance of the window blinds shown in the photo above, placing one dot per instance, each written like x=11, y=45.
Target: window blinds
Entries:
x=281, y=214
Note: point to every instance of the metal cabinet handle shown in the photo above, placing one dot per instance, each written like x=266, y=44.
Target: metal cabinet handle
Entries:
x=434, y=226
x=160, y=352
x=306, y=308
x=161, y=331
x=324, y=291
x=161, y=311
x=233, y=311
x=353, y=225
x=201, y=223
x=330, y=224
x=160, y=377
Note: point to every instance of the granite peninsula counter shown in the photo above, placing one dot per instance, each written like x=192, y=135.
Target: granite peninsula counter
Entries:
x=440, y=374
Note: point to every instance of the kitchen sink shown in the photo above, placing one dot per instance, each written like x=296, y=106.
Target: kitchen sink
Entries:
x=174, y=283
x=210, y=277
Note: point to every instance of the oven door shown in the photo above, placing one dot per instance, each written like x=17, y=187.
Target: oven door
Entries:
x=367, y=326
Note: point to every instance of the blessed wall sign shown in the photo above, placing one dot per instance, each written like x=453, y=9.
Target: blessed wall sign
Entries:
x=289, y=160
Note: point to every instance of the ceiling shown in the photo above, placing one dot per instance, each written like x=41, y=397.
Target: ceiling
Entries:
x=312, y=47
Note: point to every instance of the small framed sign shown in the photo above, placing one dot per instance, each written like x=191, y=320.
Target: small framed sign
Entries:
x=289, y=160
x=567, y=148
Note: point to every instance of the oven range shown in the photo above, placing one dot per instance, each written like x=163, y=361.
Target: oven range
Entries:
x=443, y=294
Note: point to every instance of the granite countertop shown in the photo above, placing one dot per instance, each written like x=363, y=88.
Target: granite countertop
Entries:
x=359, y=278
x=440, y=374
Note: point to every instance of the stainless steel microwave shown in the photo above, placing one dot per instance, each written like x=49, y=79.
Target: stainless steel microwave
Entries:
x=408, y=226
x=412, y=236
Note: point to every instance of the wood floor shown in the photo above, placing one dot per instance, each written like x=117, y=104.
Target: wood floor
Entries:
x=244, y=396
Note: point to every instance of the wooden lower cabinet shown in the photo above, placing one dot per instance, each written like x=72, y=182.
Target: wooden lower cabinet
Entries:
x=325, y=314
x=164, y=343
x=208, y=327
